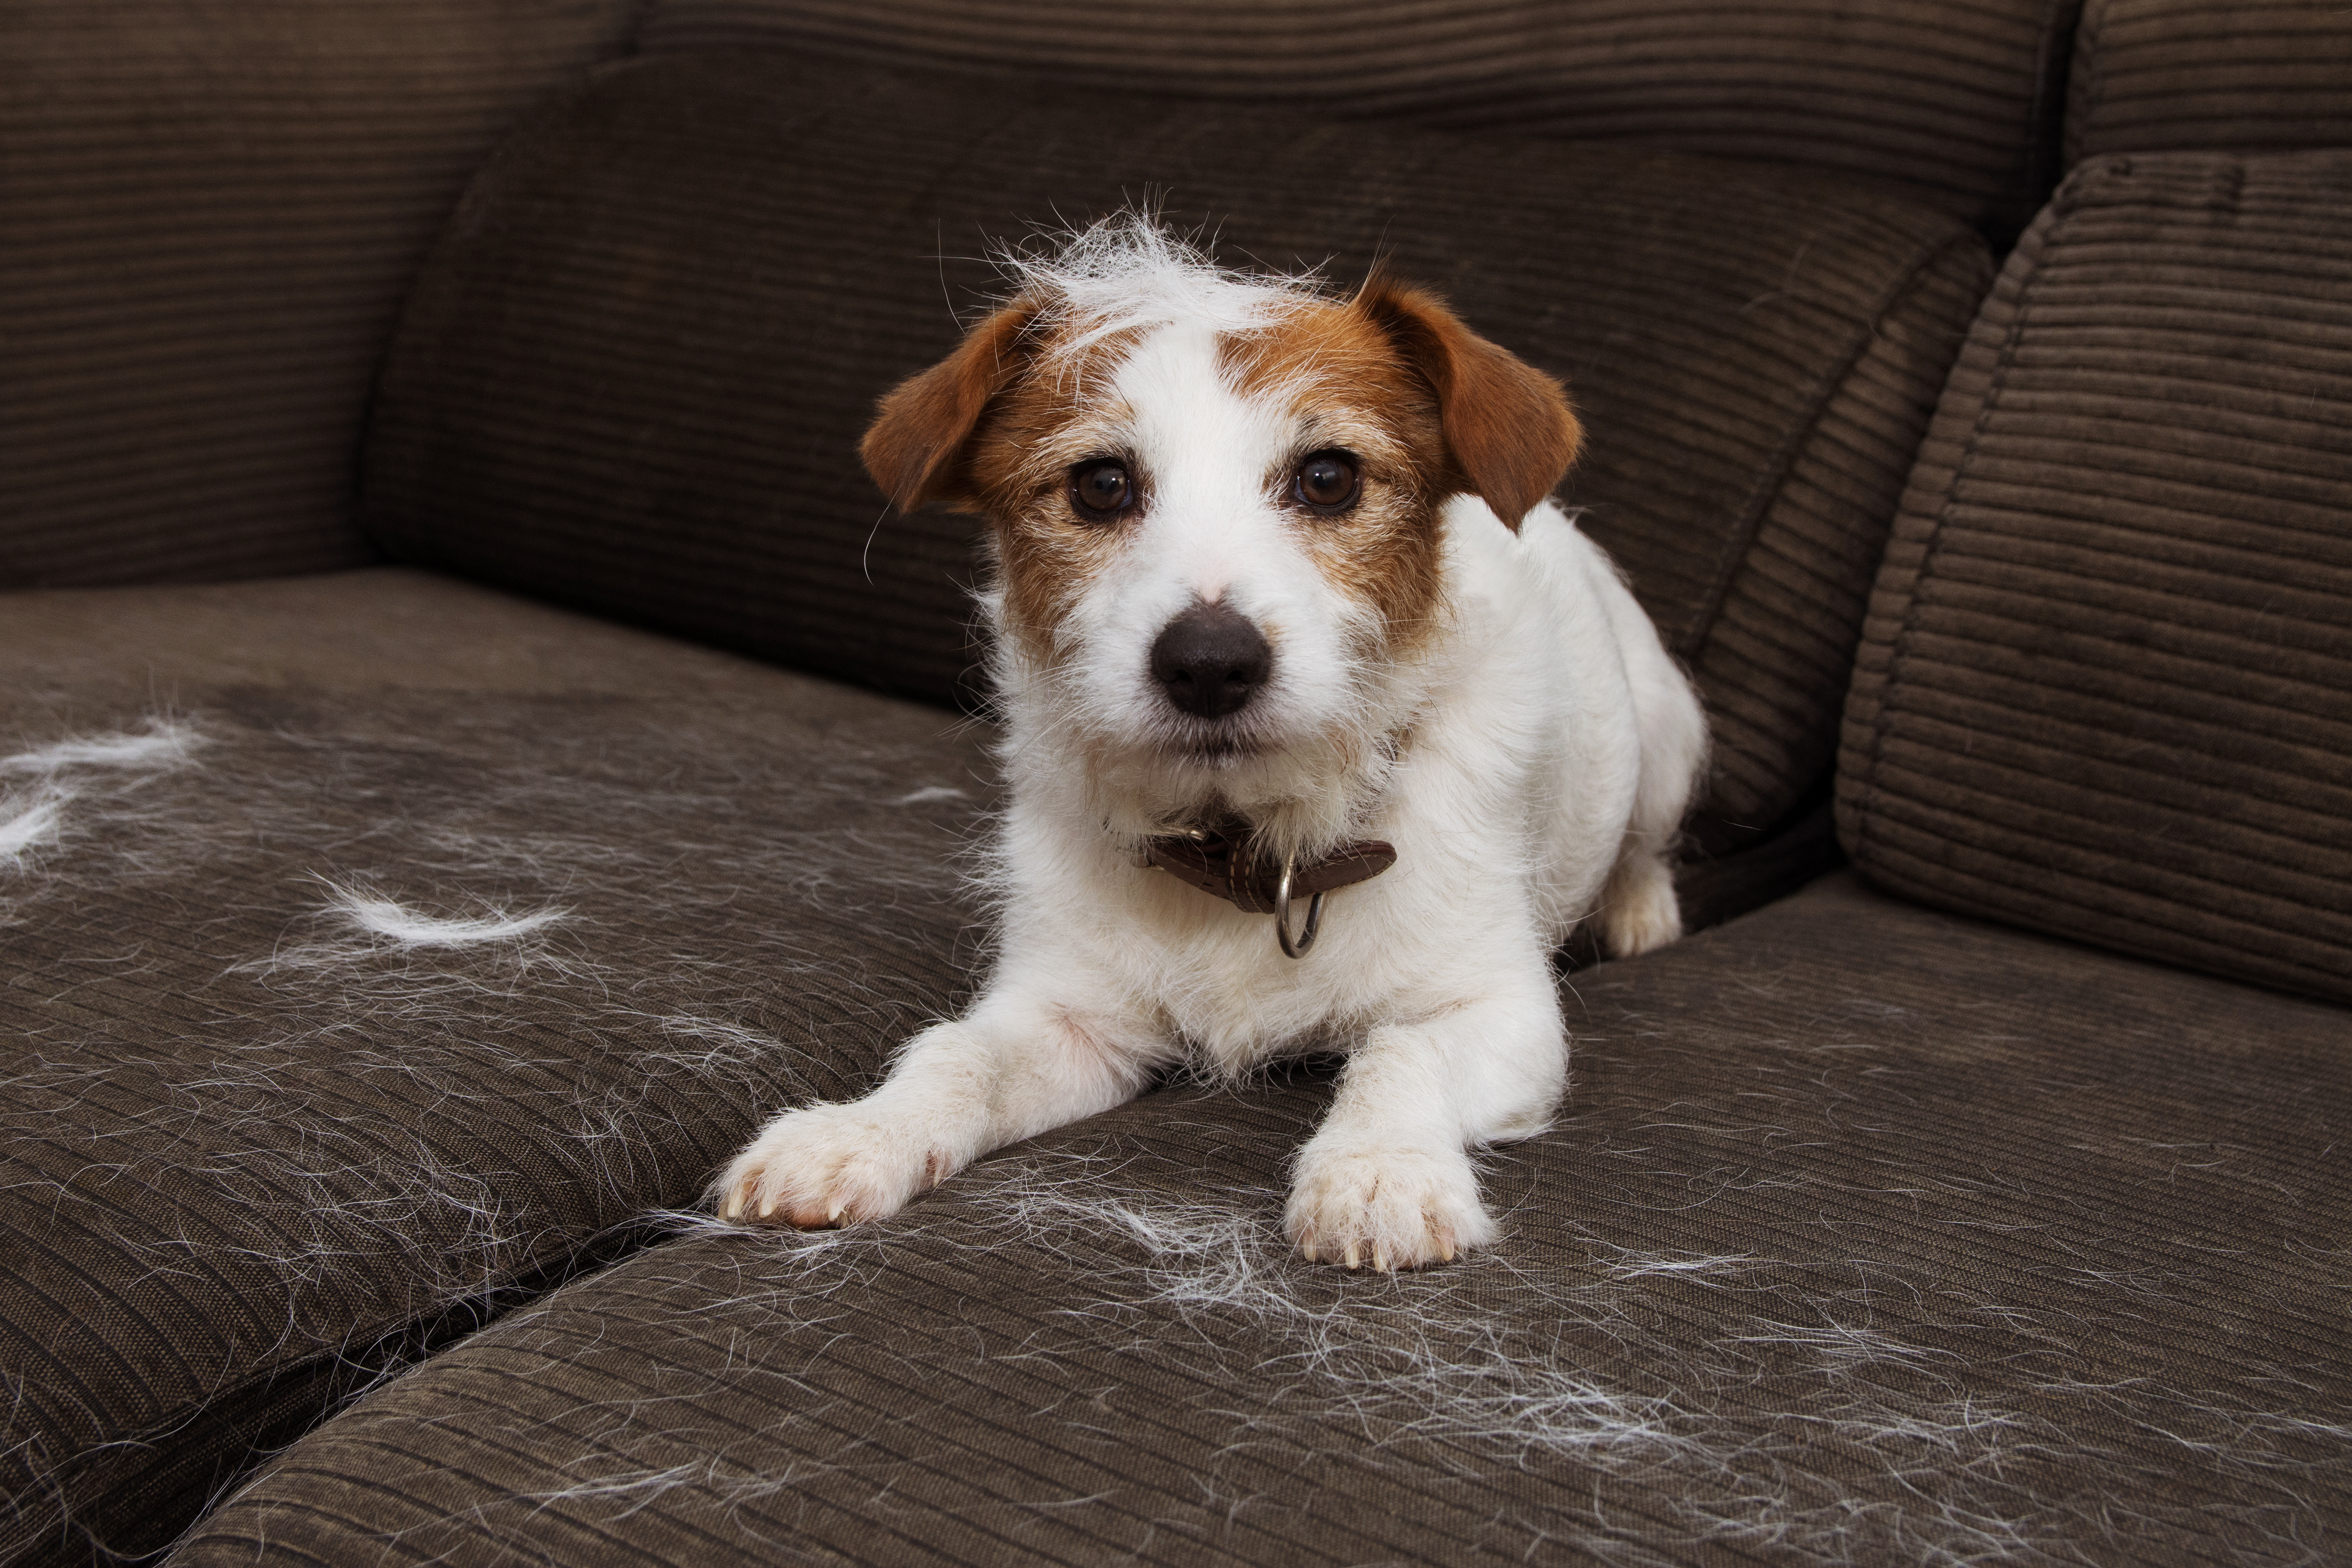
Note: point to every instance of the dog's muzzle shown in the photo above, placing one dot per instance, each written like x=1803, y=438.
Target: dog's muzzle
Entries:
x=1218, y=860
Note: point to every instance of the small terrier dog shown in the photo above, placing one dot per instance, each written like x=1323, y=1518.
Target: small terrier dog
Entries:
x=1280, y=614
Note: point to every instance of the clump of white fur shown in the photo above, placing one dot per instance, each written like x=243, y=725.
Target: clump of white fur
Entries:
x=168, y=744
x=30, y=820
x=397, y=923
x=35, y=817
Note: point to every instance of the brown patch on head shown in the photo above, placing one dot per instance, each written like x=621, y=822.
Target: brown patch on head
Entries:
x=1509, y=431
x=1342, y=385
x=993, y=429
x=1062, y=411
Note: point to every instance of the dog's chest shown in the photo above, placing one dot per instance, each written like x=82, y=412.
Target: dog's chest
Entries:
x=1220, y=982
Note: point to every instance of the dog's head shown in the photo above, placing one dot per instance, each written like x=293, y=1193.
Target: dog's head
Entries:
x=1216, y=503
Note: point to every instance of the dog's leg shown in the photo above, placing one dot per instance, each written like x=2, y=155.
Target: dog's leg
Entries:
x=1639, y=911
x=1016, y=1065
x=1387, y=1180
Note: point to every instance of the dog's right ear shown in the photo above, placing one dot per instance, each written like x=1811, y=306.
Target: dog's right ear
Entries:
x=915, y=448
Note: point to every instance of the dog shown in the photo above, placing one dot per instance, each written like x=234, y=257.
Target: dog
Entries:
x=1280, y=616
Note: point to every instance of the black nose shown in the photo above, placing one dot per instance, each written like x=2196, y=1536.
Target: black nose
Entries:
x=1210, y=660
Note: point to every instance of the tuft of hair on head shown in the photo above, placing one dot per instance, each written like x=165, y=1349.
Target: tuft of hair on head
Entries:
x=1129, y=273
x=1509, y=432
x=1071, y=290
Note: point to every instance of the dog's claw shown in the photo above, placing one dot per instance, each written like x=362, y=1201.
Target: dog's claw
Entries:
x=1349, y=1256
x=1307, y=1249
x=767, y=1207
x=833, y=1215
x=735, y=1204
x=1380, y=1258
x=1446, y=1248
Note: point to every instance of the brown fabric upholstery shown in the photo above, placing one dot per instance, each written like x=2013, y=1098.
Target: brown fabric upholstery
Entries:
x=1957, y=100
x=2105, y=689
x=1869, y=1235
x=633, y=374
x=2247, y=75
x=211, y=209
x=253, y=1148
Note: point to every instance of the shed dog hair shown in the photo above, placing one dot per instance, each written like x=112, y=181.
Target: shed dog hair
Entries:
x=1275, y=570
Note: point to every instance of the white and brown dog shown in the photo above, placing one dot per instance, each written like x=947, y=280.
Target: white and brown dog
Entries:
x=1279, y=607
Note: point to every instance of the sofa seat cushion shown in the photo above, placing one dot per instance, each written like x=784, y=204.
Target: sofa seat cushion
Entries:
x=2106, y=687
x=635, y=370
x=375, y=945
x=1868, y=1235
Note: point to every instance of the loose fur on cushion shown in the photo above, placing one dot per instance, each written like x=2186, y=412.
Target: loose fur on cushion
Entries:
x=1277, y=566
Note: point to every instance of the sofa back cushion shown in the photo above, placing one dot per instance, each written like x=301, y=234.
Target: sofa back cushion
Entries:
x=2243, y=76
x=633, y=374
x=209, y=210
x=1959, y=100
x=2106, y=687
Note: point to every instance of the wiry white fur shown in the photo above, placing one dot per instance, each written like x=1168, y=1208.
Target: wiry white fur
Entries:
x=1128, y=275
x=1531, y=762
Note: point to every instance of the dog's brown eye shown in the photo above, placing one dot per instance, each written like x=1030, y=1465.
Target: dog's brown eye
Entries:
x=1101, y=491
x=1327, y=482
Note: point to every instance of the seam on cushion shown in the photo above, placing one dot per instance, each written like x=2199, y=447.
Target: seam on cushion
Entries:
x=360, y=1362
x=2063, y=208
x=2053, y=59
x=2087, y=43
x=1774, y=480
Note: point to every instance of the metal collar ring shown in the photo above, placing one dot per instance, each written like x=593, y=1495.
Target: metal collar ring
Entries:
x=1305, y=938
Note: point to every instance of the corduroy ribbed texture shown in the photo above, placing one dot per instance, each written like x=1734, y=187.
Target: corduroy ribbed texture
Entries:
x=633, y=374
x=208, y=213
x=2235, y=76
x=1869, y=1235
x=273, y=1117
x=1957, y=98
x=2106, y=687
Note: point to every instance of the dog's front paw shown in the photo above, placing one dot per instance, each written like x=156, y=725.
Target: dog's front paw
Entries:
x=828, y=1165
x=1398, y=1208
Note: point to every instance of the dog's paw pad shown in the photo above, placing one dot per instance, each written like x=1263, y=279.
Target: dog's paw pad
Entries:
x=1386, y=1209
x=826, y=1165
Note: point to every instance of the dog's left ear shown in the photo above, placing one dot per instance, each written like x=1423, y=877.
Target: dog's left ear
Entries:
x=1509, y=429
x=915, y=448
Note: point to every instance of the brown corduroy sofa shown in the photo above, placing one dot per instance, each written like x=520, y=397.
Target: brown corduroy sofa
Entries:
x=473, y=744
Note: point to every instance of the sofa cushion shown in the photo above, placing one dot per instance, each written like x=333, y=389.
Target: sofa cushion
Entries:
x=1959, y=102
x=376, y=945
x=211, y=210
x=1869, y=1235
x=2240, y=76
x=2106, y=690
x=634, y=371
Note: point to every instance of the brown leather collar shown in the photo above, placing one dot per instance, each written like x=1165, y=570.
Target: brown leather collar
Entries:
x=1218, y=860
